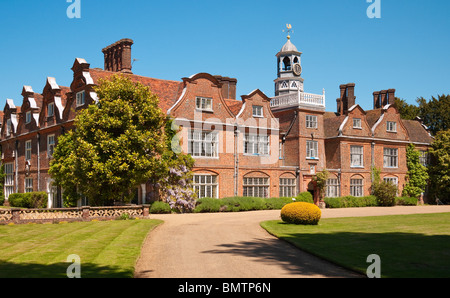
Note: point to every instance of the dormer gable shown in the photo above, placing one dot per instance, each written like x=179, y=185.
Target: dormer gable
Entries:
x=355, y=123
x=389, y=125
x=31, y=106
x=52, y=97
x=81, y=75
x=202, y=98
x=10, y=118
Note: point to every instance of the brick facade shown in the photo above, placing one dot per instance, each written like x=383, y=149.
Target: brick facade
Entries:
x=241, y=147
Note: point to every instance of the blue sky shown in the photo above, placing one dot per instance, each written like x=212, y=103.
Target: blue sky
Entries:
x=406, y=49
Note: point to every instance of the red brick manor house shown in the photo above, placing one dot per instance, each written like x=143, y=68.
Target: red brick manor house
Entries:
x=254, y=146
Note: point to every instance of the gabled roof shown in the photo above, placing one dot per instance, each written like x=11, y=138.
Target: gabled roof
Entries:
x=168, y=91
x=417, y=132
x=234, y=105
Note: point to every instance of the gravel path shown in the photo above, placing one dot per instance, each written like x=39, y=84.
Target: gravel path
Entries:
x=233, y=245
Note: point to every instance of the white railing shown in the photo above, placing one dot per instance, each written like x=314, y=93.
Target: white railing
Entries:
x=299, y=98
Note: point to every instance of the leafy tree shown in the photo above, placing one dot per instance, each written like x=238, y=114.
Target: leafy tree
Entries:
x=417, y=176
x=407, y=111
x=384, y=191
x=435, y=113
x=118, y=144
x=439, y=169
x=321, y=182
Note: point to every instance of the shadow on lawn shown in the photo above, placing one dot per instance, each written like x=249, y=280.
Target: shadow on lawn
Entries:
x=403, y=255
x=58, y=270
x=406, y=255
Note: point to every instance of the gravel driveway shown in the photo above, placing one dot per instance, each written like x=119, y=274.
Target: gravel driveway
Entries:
x=233, y=245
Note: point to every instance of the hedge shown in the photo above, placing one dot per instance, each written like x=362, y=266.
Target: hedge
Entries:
x=159, y=207
x=234, y=204
x=367, y=201
x=34, y=200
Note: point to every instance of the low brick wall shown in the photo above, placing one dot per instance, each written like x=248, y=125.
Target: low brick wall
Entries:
x=86, y=213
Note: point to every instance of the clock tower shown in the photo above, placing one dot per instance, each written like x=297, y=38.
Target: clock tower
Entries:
x=289, y=69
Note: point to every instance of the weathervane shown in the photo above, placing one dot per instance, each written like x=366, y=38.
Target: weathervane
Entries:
x=288, y=30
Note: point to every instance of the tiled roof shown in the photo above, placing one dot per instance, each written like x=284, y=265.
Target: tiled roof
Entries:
x=167, y=91
x=417, y=132
x=331, y=124
x=372, y=116
x=234, y=105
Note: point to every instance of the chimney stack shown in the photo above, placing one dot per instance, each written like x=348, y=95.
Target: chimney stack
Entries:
x=383, y=98
x=347, y=99
x=391, y=96
x=228, y=86
x=118, y=56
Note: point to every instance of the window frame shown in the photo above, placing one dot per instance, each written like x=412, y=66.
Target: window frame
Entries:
x=354, y=154
x=391, y=126
x=314, y=149
x=28, y=117
x=255, y=144
x=333, y=187
x=257, y=108
x=28, y=185
x=9, y=178
x=201, y=104
x=28, y=148
x=389, y=158
x=311, y=122
x=51, y=112
x=51, y=146
x=202, y=187
x=80, y=98
x=357, y=124
x=356, y=188
x=200, y=143
x=287, y=187
x=263, y=187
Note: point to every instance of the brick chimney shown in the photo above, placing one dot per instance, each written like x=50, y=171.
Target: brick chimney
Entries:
x=347, y=98
x=228, y=86
x=118, y=56
x=391, y=96
x=383, y=98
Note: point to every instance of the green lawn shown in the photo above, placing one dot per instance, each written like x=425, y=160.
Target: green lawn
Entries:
x=408, y=245
x=106, y=248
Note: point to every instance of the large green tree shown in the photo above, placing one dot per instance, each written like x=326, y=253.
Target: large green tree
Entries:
x=417, y=175
x=435, y=112
x=119, y=143
x=439, y=169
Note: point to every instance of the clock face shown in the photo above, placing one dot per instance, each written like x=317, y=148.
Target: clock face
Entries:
x=297, y=69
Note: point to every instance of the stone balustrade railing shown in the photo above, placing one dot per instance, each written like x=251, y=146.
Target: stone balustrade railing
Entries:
x=296, y=99
x=86, y=213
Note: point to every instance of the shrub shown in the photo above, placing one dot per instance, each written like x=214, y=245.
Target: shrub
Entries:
x=159, y=207
x=406, y=201
x=277, y=203
x=385, y=193
x=28, y=200
x=2, y=200
x=205, y=205
x=301, y=213
x=350, y=201
x=305, y=196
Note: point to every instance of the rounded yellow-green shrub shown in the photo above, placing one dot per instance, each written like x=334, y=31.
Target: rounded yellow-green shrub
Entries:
x=301, y=213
